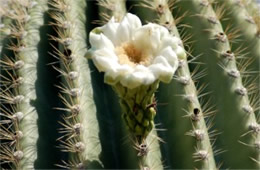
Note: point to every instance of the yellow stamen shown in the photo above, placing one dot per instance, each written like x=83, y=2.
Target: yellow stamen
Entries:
x=130, y=55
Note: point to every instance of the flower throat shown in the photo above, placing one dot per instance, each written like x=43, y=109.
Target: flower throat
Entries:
x=130, y=55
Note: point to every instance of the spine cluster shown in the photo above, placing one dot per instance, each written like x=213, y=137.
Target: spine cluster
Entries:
x=79, y=131
x=234, y=109
x=183, y=99
x=18, y=125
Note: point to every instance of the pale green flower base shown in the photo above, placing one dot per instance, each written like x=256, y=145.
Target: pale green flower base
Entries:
x=139, y=108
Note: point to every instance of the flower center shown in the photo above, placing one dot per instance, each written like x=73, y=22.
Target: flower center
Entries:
x=130, y=55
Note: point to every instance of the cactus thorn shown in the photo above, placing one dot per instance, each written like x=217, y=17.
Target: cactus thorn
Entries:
x=181, y=63
x=255, y=127
x=18, y=116
x=18, y=155
x=250, y=20
x=257, y=145
x=79, y=147
x=17, y=99
x=204, y=3
x=213, y=19
x=18, y=64
x=74, y=92
x=77, y=128
x=221, y=37
x=248, y=109
x=75, y=109
x=201, y=155
x=241, y=91
x=19, y=134
x=234, y=73
x=185, y=80
x=199, y=134
x=229, y=55
x=73, y=75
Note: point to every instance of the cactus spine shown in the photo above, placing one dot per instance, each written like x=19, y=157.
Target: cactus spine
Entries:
x=19, y=124
x=182, y=100
x=79, y=125
x=221, y=63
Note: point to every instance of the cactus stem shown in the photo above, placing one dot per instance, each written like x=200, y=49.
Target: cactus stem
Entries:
x=75, y=90
x=210, y=21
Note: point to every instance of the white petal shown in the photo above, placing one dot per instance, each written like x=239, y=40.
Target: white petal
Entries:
x=110, y=30
x=133, y=21
x=161, y=60
x=148, y=76
x=170, y=41
x=124, y=69
x=141, y=68
x=105, y=52
x=123, y=32
x=131, y=81
x=140, y=76
x=127, y=27
x=152, y=40
x=105, y=59
x=163, y=31
x=161, y=72
x=111, y=78
x=149, y=37
x=146, y=38
x=105, y=64
x=98, y=41
x=170, y=56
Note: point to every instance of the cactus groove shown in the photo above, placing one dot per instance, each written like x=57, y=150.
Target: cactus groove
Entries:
x=58, y=111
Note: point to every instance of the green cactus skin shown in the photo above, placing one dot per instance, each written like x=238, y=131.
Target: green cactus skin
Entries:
x=233, y=107
x=19, y=97
x=5, y=30
x=251, y=7
x=80, y=129
x=182, y=102
x=249, y=36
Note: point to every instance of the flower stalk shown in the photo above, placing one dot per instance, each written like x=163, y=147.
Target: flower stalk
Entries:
x=139, y=108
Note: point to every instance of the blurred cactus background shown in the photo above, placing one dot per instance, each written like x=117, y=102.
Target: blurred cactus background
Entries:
x=56, y=112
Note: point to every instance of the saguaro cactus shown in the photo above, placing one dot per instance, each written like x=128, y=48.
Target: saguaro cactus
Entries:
x=126, y=84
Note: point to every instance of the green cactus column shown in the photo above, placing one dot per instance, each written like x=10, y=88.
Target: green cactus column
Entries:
x=186, y=133
x=243, y=34
x=19, y=132
x=4, y=31
x=251, y=6
x=235, y=117
x=80, y=127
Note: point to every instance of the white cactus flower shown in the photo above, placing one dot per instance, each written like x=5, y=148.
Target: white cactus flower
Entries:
x=133, y=54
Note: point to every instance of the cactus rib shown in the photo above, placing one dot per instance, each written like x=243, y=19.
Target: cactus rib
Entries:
x=223, y=72
x=79, y=125
x=21, y=152
x=199, y=154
